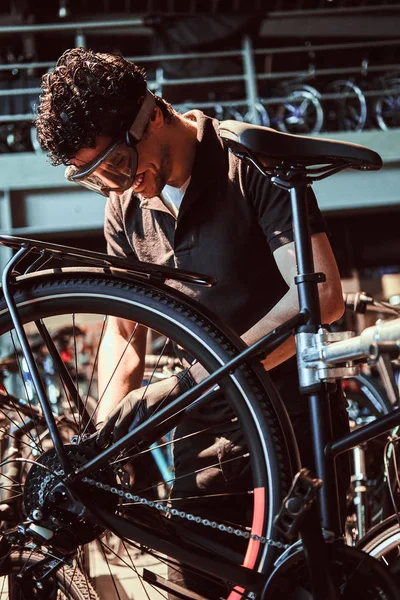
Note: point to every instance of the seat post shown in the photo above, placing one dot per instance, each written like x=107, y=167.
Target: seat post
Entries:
x=307, y=281
x=319, y=402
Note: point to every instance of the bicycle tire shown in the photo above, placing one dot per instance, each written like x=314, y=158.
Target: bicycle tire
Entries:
x=355, y=575
x=382, y=542
x=71, y=584
x=265, y=426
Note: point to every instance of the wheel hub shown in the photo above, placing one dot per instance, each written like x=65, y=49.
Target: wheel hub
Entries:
x=63, y=507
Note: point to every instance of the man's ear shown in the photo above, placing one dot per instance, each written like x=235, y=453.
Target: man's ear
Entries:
x=156, y=119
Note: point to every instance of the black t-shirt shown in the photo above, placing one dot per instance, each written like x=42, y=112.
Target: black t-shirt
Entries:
x=230, y=221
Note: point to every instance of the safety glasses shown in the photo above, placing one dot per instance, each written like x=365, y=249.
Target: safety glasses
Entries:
x=115, y=169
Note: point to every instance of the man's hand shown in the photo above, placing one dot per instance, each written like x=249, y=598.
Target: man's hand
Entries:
x=139, y=405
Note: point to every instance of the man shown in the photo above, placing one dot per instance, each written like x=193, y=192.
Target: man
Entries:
x=177, y=197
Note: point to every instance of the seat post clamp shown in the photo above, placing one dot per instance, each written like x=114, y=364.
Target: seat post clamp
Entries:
x=307, y=277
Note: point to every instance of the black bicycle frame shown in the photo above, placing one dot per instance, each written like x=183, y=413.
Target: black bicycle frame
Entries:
x=326, y=448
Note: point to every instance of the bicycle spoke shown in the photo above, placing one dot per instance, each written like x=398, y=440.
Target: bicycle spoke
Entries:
x=76, y=368
x=13, y=437
x=129, y=457
x=150, y=379
x=114, y=371
x=217, y=464
x=91, y=416
x=110, y=572
x=27, y=395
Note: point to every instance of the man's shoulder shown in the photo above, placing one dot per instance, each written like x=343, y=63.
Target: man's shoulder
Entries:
x=212, y=150
x=119, y=203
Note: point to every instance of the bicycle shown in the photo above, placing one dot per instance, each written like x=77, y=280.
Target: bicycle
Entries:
x=62, y=512
x=371, y=393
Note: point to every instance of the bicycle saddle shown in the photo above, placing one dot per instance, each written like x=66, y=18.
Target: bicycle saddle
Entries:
x=274, y=148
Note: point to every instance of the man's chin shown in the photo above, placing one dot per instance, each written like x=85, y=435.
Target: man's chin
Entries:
x=156, y=191
x=146, y=195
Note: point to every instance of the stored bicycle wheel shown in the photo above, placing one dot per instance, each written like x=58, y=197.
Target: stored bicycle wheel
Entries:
x=346, y=109
x=249, y=462
x=301, y=112
x=387, y=105
x=65, y=583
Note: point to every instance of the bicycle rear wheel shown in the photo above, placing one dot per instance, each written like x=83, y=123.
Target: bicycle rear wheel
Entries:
x=251, y=475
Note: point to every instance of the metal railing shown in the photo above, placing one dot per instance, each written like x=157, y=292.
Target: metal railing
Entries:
x=248, y=82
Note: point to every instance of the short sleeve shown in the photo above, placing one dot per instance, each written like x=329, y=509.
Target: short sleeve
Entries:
x=114, y=229
x=273, y=208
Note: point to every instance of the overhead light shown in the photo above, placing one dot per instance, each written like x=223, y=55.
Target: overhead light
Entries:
x=63, y=10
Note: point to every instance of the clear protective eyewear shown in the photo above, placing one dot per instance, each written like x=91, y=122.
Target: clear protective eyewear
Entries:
x=115, y=169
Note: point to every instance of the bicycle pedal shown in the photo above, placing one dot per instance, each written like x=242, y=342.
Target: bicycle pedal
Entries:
x=296, y=503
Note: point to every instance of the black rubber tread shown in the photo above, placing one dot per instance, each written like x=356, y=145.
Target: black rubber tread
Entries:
x=71, y=579
x=45, y=284
x=226, y=339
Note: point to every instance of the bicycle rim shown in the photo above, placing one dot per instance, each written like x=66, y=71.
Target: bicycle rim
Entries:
x=85, y=303
x=383, y=543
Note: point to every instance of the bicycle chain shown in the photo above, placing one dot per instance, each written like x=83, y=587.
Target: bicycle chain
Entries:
x=184, y=515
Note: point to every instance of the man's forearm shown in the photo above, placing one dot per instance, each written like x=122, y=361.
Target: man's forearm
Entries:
x=286, y=308
x=120, y=370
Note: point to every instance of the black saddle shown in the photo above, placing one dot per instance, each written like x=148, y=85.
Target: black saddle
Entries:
x=273, y=148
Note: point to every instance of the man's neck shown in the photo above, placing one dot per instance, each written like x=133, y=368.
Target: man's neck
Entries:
x=183, y=136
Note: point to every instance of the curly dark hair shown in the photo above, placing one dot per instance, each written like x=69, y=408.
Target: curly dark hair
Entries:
x=86, y=95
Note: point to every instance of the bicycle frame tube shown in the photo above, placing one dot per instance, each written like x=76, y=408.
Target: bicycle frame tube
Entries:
x=23, y=339
x=364, y=434
x=216, y=566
